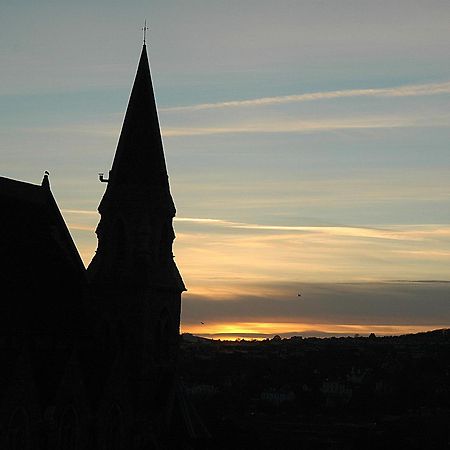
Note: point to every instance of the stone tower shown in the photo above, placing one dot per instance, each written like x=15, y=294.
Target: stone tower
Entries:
x=136, y=286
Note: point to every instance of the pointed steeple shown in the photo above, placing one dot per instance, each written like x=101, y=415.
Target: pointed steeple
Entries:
x=139, y=160
x=135, y=232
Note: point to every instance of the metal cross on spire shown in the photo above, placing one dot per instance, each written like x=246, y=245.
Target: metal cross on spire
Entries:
x=144, y=30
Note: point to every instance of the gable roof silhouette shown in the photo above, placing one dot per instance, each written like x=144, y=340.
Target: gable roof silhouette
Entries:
x=40, y=268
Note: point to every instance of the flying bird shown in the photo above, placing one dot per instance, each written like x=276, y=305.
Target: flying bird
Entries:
x=203, y=323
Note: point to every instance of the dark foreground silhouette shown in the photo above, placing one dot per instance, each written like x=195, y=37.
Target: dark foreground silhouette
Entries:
x=88, y=358
x=335, y=393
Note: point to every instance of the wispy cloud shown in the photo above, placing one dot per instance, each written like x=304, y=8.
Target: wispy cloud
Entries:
x=309, y=126
x=259, y=124
x=330, y=230
x=414, y=90
x=262, y=126
x=80, y=211
x=396, y=232
x=218, y=257
x=202, y=220
x=80, y=227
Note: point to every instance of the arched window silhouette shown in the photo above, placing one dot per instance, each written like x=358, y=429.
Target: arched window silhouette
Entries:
x=68, y=430
x=114, y=429
x=162, y=337
x=18, y=431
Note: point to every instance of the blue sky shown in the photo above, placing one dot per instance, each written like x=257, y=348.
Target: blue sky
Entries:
x=307, y=143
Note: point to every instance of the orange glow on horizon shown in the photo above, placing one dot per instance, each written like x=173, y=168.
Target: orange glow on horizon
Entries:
x=248, y=329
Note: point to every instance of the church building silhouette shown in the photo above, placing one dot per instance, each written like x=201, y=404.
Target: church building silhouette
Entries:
x=88, y=358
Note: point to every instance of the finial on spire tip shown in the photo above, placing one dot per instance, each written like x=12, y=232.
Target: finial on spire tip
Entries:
x=45, y=182
x=144, y=29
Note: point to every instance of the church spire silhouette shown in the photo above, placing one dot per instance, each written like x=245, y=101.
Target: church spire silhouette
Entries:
x=139, y=164
x=139, y=158
x=135, y=233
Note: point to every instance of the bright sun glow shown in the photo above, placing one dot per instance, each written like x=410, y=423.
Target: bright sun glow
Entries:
x=250, y=330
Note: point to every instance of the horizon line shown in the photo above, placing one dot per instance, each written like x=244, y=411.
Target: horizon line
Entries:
x=309, y=334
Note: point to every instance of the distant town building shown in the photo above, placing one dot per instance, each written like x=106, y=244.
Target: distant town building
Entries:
x=202, y=390
x=277, y=397
x=336, y=392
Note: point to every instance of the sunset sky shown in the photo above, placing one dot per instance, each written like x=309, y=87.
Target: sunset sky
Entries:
x=307, y=144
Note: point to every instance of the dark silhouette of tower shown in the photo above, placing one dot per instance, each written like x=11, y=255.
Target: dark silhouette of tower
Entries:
x=135, y=283
x=88, y=358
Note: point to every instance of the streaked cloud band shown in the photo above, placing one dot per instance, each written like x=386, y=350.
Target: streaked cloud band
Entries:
x=308, y=126
x=413, y=90
x=395, y=232
x=264, y=127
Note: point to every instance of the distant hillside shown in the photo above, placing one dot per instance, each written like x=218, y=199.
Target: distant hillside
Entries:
x=188, y=337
